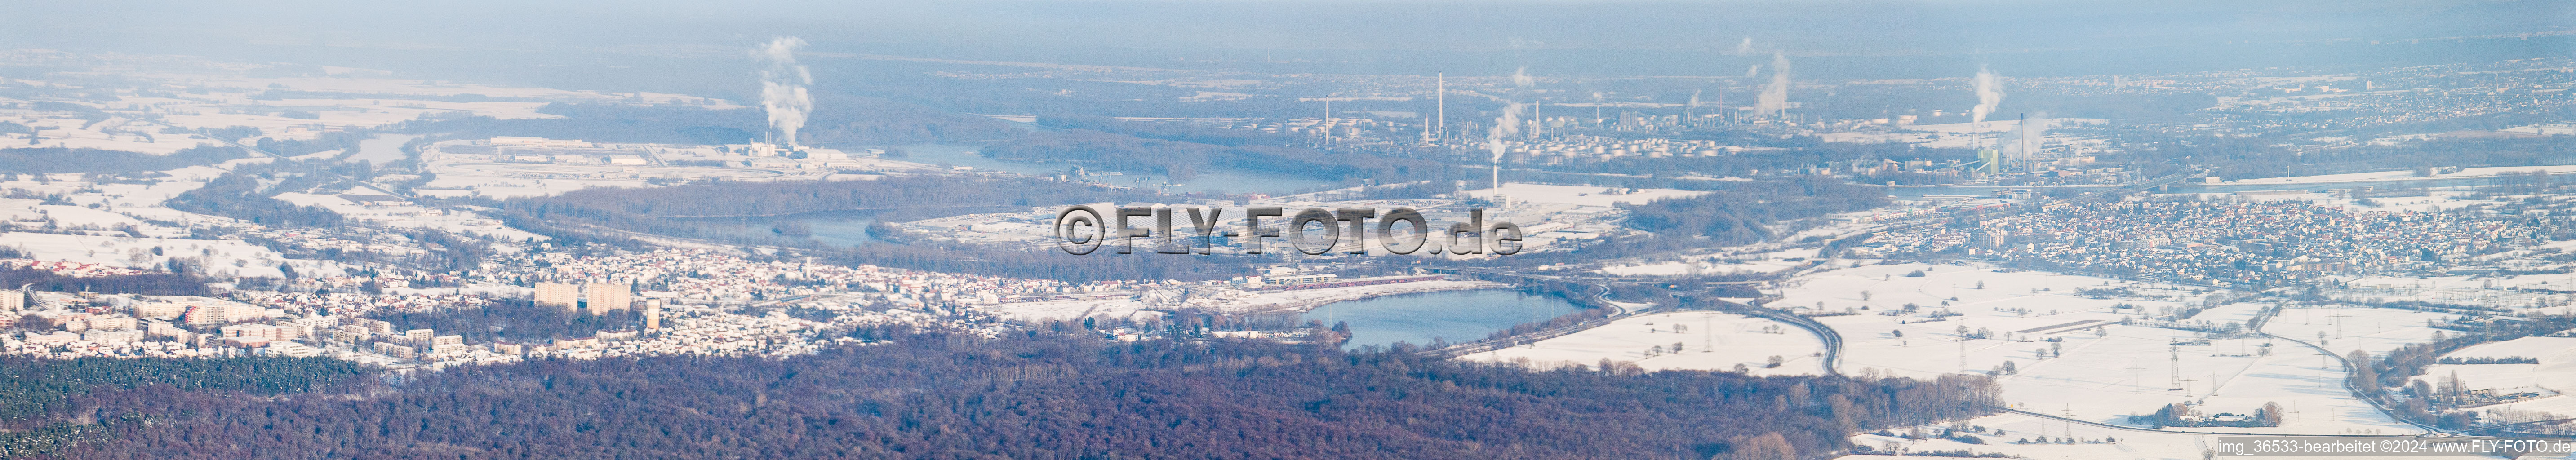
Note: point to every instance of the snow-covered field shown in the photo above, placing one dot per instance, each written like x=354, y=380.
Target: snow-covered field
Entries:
x=2068, y=354
x=2346, y=328
x=223, y=257
x=2132, y=370
x=2019, y=310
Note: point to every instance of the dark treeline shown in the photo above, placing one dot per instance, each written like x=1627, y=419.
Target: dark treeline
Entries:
x=50, y=160
x=344, y=141
x=1185, y=159
x=782, y=198
x=147, y=283
x=32, y=389
x=50, y=406
x=653, y=210
x=274, y=94
x=1767, y=162
x=1744, y=215
x=606, y=123
x=238, y=195
x=934, y=85
x=838, y=119
x=2461, y=152
x=518, y=320
x=2484, y=122
x=1171, y=131
x=2261, y=157
x=1042, y=396
x=449, y=251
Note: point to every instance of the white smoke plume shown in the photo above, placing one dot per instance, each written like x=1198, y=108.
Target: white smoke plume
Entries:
x=1505, y=127
x=1753, y=70
x=1744, y=47
x=1694, y=105
x=1990, y=93
x=2027, y=139
x=1509, y=124
x=1775, y=96
x=782, y=87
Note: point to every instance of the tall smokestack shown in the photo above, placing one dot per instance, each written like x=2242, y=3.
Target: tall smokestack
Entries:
x=782, y=87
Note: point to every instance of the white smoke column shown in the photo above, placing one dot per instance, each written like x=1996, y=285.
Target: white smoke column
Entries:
x=1522, y=81
x=782, y=87
x=1744, y=47
x=1990, y=93
x=1753, y=70
x=1775, y=96
x=1505, y=127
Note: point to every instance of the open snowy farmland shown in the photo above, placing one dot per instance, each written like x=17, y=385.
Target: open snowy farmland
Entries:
x=1706, y=341
x=2056, y=344
x=2133, y=370
x=2015, y=313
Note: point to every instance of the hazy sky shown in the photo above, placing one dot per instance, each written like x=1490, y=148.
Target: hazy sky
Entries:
x=1562, y=37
